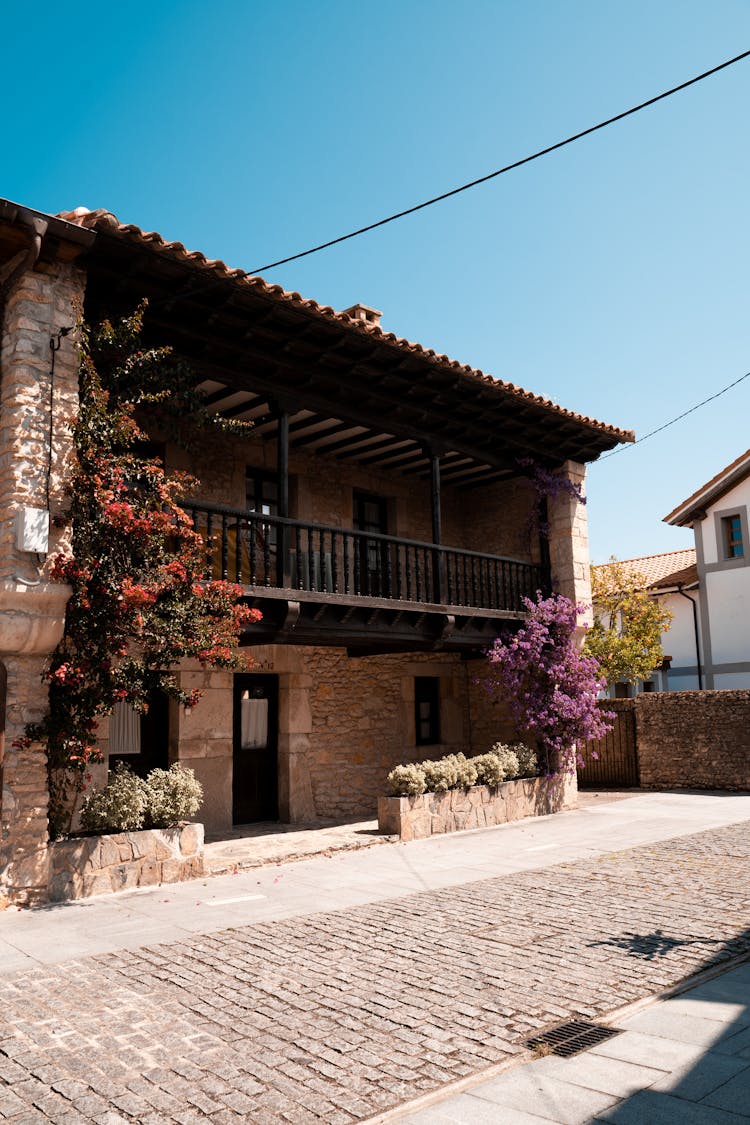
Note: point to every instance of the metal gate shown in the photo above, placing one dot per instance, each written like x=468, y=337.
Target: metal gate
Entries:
x=616, y=763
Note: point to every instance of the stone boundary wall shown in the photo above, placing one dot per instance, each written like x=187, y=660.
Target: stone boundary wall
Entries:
x=694, y=739
x=431, y=814
x=95, y=865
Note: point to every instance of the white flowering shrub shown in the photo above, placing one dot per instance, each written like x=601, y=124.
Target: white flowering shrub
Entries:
x=490, y=770
x=119, y=807
x=455, y=771
x=441, y=775
x=173, y=795
x=468, y=773
x=129, y=803
x=528, y=764
x=508, y=760
x=407, y=781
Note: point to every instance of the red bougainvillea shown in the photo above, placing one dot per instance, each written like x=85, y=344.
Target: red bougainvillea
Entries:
x=141, y=602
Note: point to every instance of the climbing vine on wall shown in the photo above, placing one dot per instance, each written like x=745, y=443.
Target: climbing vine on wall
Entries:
x=141, y=602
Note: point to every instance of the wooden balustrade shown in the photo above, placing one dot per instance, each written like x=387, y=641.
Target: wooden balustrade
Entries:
x=260, y=550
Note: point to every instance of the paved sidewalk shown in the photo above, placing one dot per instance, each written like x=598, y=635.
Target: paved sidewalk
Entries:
x=682, y=1061
x=341, y=880
x=336, y=990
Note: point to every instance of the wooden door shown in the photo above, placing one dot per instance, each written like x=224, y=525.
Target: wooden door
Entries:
x=255, y=790
x=371, y=514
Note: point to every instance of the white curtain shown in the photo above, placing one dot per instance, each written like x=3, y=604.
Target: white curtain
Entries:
x=253, y=722
x=124, y=730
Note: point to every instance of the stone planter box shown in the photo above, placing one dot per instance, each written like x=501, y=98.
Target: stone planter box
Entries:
x=415, y=818
x=96, y=865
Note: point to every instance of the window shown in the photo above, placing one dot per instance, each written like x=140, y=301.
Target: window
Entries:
x=427, y=710
x=649, y=685
x=262, y=495
x=731, y=528
x=124, y=730
x=622, y=691
x=261, y=492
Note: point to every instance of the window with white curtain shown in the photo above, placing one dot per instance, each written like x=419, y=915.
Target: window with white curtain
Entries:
x=124, y=730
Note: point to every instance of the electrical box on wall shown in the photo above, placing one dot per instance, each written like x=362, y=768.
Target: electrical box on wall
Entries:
x=32, y=530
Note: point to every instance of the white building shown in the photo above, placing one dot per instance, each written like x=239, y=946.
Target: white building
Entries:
x=718, y=515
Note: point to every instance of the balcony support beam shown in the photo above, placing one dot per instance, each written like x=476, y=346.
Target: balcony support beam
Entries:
x=282, y=485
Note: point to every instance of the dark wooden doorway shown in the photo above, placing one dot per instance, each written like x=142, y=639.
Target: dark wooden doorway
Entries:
x=255, y=787
x=612, y=762
x=371, y=514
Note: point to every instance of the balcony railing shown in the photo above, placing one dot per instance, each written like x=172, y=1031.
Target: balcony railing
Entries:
x=259, y=550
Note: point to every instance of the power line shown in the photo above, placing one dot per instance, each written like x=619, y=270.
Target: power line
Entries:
x=672, y=421
x=506, y=168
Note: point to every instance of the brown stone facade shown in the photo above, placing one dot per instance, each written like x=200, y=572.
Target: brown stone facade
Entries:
x=343, y=724
x=694, y=739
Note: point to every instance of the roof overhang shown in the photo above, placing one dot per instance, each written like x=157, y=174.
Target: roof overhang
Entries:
x=695, y=507
x=352, y=390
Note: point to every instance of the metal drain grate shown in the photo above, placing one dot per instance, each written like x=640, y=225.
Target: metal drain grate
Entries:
x=572, y=1038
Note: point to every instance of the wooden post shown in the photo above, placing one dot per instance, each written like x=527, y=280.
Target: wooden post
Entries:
x=282, y=489
x=437, y=525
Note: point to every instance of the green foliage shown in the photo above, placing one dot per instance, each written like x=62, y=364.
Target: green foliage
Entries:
x=455, y=771
x=625, y=637
x=128, y=803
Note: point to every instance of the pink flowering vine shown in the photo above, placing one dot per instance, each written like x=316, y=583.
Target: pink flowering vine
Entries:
x=549, y=686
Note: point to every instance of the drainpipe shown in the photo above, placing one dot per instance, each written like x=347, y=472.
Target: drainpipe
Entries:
x=682, y=594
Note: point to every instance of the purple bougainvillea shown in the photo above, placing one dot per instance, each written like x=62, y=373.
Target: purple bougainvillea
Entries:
x=550, y=687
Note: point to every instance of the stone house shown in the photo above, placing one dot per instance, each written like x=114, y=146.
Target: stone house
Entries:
x=379, y=515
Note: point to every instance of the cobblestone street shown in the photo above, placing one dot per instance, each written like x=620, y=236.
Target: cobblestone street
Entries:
x=336, y=1016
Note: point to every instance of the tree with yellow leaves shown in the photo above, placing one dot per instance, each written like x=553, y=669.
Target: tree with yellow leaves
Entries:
x=625, y=637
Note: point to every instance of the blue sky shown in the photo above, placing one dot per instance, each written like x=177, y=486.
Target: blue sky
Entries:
x=611, y=277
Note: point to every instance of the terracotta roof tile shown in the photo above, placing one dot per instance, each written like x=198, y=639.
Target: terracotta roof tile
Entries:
x=105, y=221
x=662, y=570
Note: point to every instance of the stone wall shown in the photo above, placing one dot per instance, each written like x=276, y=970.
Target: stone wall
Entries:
x=344, y=723
x=31, y=608
x=432, y=814
x=569, y=542
x=95, y=865
x=694, y=739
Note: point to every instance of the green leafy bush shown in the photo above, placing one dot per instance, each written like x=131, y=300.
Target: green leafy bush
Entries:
x=173, y=795
x=119, y=807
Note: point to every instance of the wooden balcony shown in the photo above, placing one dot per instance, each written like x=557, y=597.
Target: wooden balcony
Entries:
x=319, y=584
